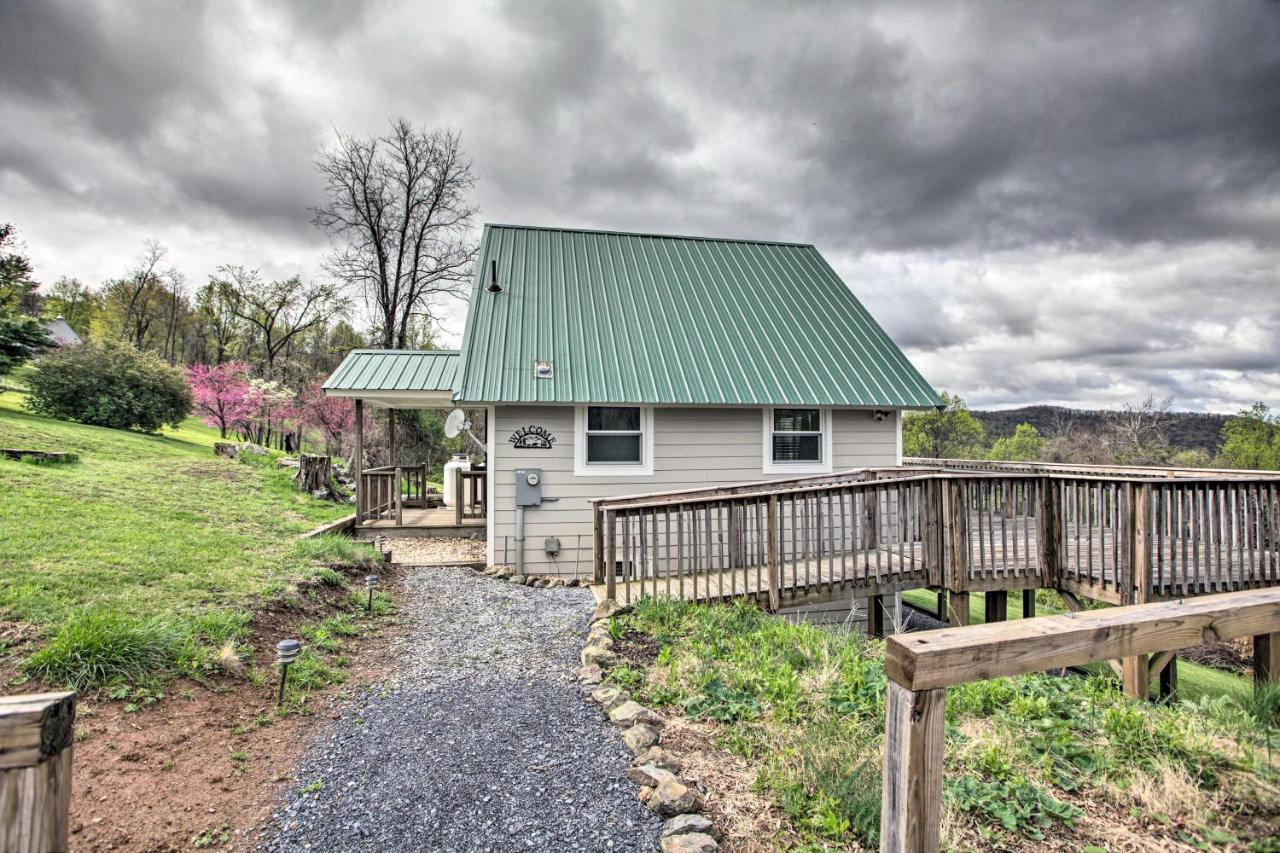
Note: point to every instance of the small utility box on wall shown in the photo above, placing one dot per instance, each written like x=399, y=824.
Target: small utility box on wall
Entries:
x=551, y=545
x=529, y=487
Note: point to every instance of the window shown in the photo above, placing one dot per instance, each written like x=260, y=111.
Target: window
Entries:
x=797, y=441
x=613, y=440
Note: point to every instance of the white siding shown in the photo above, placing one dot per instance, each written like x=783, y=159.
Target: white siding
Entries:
x=693, y=447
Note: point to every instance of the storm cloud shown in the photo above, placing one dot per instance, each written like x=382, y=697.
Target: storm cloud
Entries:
x=1044, y=202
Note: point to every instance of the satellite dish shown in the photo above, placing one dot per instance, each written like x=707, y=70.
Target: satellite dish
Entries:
x=456, y=423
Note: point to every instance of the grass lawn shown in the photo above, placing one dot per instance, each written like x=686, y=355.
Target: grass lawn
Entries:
x=148, y=526
x=1194, y=680
x=1030, y=762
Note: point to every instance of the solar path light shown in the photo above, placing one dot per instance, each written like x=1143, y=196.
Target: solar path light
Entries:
x=286, y=653
x=370, y=583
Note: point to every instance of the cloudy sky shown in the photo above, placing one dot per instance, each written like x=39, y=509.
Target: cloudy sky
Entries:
x=1073, y=203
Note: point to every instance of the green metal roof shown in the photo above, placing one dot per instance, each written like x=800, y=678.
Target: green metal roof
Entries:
x=396, y=370
x=642, y=318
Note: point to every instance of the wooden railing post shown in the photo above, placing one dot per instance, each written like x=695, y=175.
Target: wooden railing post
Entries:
x=610, y=557
x=36, y=737
x=957, y=538
x=597, y=544
x=459, y=499
x=773, y=556
x=358, y=463
x=1140, y=542
x=1049, y=519
x=398, y=486
x=934, y=557
x=911, y=805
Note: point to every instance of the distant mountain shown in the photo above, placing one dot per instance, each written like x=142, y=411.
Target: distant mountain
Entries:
x=1186, y=430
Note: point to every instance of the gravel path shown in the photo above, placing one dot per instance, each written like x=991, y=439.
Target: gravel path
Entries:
x=482, y=741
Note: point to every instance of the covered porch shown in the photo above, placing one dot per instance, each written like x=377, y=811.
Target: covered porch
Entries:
x=397, y=498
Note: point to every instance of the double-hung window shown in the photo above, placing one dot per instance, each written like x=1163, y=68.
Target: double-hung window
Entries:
x=614, y=440
x=797, y=440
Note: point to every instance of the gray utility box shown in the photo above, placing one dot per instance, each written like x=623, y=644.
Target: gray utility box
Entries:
x=529, y=487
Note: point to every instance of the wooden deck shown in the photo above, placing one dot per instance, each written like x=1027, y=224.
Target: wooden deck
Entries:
x=1108, y=536
x=434, y=521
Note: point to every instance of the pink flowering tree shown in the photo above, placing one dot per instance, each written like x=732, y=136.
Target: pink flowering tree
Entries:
x=333, y=417
x=270, y=410
x=221, y=394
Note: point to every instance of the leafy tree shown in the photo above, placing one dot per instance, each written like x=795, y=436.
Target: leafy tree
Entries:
x=221, y=394
x=22, y=336
x=279, y=310
x=1251, y=439
x=71, y=300
x=109, y=384
x=1025, y=445
x=951, y=432
x=399, y=216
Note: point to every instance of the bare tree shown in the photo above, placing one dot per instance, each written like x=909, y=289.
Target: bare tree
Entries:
x=213, y=311
x=136, y=292
x=278, y=310
x=400, y=222
x=1139, y=432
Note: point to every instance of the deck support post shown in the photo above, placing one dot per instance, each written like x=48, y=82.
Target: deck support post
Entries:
x=1134, y=581
x=1049, y=531
x=1169, y=679
x=1028, y=604
x=875, y=616
x=995, y=606
x=1266, y=658
x=35, y=771
x=958, y=608
x=1135, y=672
x=358, y=462
x=399, y=497
x=911, y=805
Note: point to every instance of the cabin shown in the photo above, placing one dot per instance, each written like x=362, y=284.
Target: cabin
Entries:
x=610, y=364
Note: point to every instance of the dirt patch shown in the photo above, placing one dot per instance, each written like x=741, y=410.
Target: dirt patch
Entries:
x=640, y=649
x=205, y=766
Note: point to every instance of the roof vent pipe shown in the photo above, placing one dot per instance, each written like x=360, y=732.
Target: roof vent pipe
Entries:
x=494, y=287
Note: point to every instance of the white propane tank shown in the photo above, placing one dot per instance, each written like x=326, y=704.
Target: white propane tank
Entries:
x=459, y=461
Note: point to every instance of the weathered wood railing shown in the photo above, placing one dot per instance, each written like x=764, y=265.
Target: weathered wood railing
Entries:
x=921, y=666
x=36, y=743
x=470, y=488
x=1121, y=539
x=384, y=492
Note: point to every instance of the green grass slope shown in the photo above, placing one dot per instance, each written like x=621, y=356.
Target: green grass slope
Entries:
x=153, y=526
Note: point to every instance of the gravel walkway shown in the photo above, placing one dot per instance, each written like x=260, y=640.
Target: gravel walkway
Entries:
x=481, y=742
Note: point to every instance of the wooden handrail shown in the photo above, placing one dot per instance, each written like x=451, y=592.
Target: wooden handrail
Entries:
x=1157, y=471
x=36, y=745
x=921, y=666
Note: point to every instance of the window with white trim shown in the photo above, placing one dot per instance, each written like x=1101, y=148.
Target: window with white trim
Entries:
x=614, y=436
x=797, y=440
x=613, y=440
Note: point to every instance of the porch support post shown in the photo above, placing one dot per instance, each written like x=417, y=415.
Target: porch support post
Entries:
x=391, y=437
x=875, y=616
x=1266, y=658
x=957, y=609
x=359, y=461
x=1028, y=604
x=995, y=606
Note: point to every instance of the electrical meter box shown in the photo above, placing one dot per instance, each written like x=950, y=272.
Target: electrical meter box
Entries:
x=529, y=487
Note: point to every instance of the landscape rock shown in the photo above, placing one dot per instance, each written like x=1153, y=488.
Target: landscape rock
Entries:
x=689, y=823
x=631, y=712
x=608, y=697
x=659, y=757
x=672, y=797
x=605, y=610
x=689, y=842
x=596, y=655
x=640, y=737
x=590, y=674
x=649, y=776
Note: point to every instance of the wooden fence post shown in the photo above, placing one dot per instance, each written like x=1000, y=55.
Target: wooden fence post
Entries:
x=911, y=805
x=1049, y=532
x=36, y=737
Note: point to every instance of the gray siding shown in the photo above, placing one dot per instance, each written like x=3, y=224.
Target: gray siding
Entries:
x=692, y=448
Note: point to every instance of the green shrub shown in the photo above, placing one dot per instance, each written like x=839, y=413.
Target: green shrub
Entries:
x=110, y=385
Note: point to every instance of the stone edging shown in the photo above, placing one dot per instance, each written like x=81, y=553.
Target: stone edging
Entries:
x=503, y=573
x=654, y=769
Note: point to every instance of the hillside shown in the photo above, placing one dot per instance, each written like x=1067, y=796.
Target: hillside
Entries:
x=1186, y=430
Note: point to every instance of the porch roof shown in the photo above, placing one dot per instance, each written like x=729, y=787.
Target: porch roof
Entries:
x=402, y=379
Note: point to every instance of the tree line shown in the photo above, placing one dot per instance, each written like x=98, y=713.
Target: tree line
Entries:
x=1136, y=434
x=399, y=220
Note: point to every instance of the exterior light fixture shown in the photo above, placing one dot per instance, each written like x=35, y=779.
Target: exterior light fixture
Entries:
x=370, y=583
x=286, y=653
x=544, y=370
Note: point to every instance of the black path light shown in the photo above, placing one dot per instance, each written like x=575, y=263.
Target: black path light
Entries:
x=371, y=583
x=286, y=653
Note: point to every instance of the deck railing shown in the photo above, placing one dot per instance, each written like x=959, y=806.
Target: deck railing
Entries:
x=874, y=531
x=471, y=494
x=385, y=492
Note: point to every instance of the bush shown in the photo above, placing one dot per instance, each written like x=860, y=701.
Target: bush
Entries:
x=94, y=648
x=110, y=385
